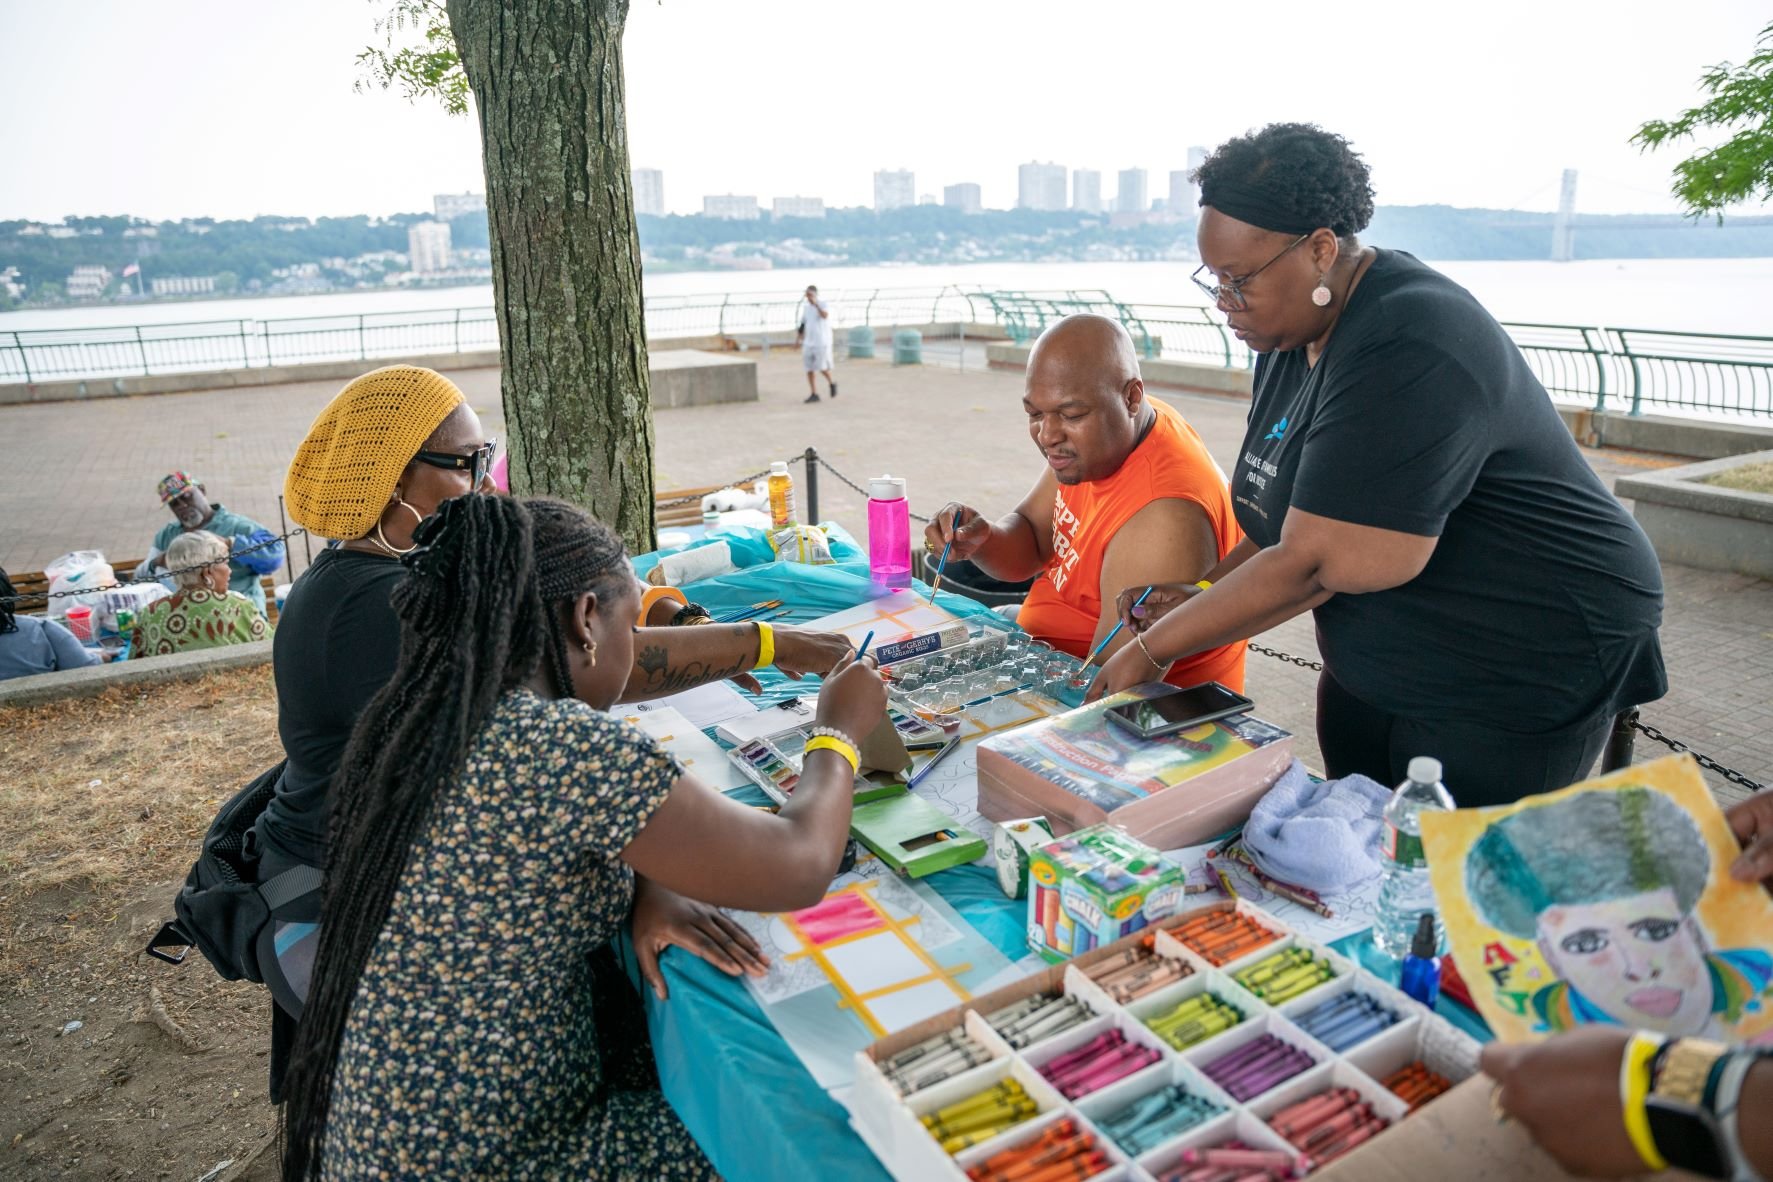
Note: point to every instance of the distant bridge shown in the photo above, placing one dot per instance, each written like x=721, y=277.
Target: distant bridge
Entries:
x=1564, y=224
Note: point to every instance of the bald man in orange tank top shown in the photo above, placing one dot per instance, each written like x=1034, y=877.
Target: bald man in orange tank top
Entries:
x=1128, y=496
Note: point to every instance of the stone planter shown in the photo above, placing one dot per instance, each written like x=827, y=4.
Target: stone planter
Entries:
x=1703, y=525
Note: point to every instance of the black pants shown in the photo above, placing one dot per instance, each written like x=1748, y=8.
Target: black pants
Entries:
x=1481, y=766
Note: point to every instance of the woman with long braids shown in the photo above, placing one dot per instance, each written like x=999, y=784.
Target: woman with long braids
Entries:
x=489, y=823
x=391, y=447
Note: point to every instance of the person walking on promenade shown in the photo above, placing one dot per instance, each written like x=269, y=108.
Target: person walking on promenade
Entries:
x=813, y=335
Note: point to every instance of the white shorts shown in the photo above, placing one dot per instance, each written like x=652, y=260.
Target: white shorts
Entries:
x=817, y=358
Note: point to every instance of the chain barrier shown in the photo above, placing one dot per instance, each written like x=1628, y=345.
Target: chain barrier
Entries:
x=46, y=596
x=826, y=464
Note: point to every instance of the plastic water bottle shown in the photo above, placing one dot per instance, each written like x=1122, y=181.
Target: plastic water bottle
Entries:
x=781, y=489
x=1406, y=893
x=889, y=533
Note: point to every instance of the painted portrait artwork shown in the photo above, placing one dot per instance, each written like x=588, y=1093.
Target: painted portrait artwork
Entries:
x=1607, y=902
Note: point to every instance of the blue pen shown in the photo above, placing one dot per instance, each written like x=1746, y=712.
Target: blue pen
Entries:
x=1109, y=639
x=866, y=641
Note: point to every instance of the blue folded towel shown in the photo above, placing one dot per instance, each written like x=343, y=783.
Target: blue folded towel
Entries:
x=1323, y=836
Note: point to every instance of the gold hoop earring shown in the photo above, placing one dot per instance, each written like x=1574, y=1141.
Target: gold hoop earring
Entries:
x=590, y=647
x=381, y=538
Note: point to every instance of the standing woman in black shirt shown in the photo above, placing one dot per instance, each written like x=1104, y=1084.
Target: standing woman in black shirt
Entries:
x=1479, y=594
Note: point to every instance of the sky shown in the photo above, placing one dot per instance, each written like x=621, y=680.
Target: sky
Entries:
x=234, y=108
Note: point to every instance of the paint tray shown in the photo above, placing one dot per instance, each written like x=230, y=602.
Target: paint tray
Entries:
x=913, y=836
x=774, y=765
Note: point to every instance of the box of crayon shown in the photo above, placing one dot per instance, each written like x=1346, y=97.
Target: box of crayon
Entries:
x=1143, y=1060
x=1094, y=887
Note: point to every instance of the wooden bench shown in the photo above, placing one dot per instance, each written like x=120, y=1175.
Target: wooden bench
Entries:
x=685, y=514
x=35, y=582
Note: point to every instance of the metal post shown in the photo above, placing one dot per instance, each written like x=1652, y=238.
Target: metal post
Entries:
x=812, y=486
x=142, y=349
x=245, y=356
x=362, y=349
x=458, y=330
x=1620, y=741
x=24, y=357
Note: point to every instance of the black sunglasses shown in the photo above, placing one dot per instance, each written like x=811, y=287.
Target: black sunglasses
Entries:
x=477, y=462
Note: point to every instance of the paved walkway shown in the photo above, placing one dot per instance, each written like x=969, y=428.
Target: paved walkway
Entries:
x=81, y=475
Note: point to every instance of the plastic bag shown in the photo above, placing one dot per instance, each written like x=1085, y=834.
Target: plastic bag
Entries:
x=75, y=573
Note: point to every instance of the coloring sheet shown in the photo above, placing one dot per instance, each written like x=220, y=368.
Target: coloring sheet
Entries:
x=1607, y=902
x=877, y=954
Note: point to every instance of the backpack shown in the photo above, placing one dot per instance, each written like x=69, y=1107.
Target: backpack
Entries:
x=224, y=911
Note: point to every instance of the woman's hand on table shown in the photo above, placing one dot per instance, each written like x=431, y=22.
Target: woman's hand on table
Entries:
x=1127, y=668
x=1565, y=1092
x=853, y=699
x=1164, y=598
x=1752, y=822
x=800, y=651
x=662, y=918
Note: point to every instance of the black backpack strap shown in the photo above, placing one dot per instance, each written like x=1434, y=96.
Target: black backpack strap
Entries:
x=292, y=884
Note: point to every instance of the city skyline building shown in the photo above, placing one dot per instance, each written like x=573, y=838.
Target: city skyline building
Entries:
x=1040, y=185
x=894, y=189
x=649, y=191
x=427, y=247
x=733, y=207
x=965, y=197
x=1086, y=190
x=446, y=207
x=797, y=207
x=1129, y=196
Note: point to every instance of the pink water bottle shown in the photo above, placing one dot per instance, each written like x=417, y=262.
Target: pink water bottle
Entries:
x=889, y=533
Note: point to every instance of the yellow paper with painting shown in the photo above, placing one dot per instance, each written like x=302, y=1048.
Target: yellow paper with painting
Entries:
x=1608, y=902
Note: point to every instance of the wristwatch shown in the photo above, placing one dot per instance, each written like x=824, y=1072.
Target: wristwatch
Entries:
x=1684, y=1130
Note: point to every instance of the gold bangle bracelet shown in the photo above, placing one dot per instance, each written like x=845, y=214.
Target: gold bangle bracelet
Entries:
x=1139, y=639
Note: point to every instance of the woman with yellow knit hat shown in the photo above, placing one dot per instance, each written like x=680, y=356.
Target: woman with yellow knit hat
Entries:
x=384, y=454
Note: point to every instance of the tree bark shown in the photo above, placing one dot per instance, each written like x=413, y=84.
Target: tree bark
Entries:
x=547, y=82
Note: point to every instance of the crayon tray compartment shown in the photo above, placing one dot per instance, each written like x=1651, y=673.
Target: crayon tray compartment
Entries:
x=1202, y=951
x=1429, y=1039
x=1238, y=1126
x=1156, y=1004
x=1135, y=1033
x=1116, y=1169
x=971, y=1083
x=1360, y=982
x=1336, y=1074
x=1266, y=1022
x=1123, y=1094
x=1338, y=966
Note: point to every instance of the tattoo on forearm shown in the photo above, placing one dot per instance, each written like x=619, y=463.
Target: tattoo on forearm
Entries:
x=657, y=674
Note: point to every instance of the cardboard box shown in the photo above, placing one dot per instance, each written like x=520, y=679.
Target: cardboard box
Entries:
x=1079, y=769
x=1095, y=886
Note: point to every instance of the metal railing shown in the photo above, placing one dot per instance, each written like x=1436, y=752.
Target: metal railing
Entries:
x=1611, y=370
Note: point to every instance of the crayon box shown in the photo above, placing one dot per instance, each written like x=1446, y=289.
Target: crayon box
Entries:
x=1095, y=886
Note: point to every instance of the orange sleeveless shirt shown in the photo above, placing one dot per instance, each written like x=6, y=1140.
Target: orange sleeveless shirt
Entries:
x=1066, y=600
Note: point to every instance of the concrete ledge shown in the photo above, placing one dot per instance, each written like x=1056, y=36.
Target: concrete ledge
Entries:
x=1664, y=433
x=228, y=379
x=1158, y=372
x=691, y=377
x=146, y=671
x=1702, y=525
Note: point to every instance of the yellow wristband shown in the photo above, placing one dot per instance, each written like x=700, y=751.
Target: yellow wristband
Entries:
x=827, y=743
x=766, y=646
x=1634, y=1088
x=1204, y=584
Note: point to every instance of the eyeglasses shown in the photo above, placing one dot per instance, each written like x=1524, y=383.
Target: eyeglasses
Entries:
x=477, y=462
x=1230, y=296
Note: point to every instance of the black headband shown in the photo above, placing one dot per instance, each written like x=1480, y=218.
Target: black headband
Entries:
x=1259, y=207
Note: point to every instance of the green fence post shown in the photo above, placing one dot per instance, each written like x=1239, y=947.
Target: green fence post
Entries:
x=142, y=349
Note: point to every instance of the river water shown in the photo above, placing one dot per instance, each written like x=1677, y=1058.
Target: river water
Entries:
x=1690, y=295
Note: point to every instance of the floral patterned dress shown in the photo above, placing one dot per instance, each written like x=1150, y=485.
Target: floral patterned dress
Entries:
x=197, y=618
x=471, y=1049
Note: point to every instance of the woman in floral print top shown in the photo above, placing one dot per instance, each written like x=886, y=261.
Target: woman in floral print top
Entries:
x=489, y=824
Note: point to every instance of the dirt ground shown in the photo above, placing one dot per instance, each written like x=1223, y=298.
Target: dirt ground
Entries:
x=102, y=804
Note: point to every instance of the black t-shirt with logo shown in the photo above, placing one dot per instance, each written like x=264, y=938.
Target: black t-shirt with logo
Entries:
x=1537, y=613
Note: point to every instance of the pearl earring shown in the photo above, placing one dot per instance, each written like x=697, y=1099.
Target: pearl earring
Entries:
x=1320, y=295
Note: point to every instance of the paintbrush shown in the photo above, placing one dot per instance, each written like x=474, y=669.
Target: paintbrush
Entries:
x=923, y=771
x=1109, y=639
x=941, y=566
x=749, y=612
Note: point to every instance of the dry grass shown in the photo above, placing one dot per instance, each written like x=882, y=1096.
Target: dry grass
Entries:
x=100, y=797
x=1747, y=478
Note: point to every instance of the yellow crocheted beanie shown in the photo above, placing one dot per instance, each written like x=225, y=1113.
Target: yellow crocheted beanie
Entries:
x=346, y=469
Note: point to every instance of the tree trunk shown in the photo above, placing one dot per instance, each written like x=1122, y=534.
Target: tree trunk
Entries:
x=547, y=81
